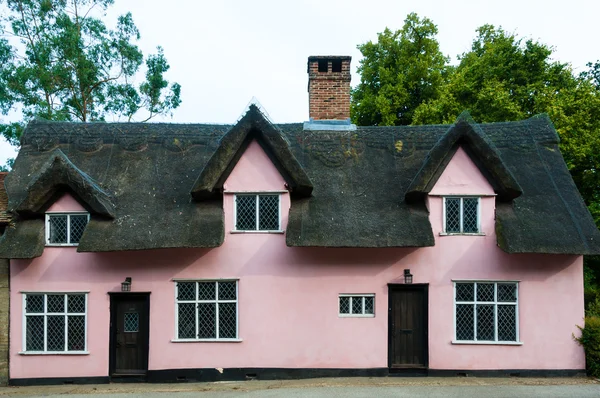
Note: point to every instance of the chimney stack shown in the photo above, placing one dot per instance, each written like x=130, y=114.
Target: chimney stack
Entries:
x=329, y=87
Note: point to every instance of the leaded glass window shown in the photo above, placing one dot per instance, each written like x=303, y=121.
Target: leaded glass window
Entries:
x=357, y=305
x=65, y=229
x=207, y=310
x=257, y=212
x=486, y=311
x=55, y=322
x=461, y=215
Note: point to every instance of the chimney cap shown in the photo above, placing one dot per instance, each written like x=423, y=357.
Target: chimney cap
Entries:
x=320, y=57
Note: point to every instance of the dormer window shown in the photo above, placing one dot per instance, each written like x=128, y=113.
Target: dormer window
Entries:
x=461, y=215
x=257, y=212
x=65, y=229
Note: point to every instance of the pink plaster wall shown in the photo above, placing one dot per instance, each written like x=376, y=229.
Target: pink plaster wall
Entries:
x=288, y=297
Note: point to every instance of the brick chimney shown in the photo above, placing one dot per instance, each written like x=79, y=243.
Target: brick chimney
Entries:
x=329, y=87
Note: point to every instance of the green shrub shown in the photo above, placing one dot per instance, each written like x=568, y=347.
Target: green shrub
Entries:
x=590, y=340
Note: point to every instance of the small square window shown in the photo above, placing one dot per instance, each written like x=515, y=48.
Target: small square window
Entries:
x=257, y=212
x=357, y=305
x=65, y=229
x=461, y=215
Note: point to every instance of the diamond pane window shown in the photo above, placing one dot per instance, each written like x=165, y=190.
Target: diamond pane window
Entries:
x=486, y=311
x=211, y=314
x=65, y=229
x=55, y=322
x=257, y=212
x=461, y=215
x=357, y=305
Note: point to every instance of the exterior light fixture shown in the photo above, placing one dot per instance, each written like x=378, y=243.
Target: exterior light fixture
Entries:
x=126, y=285
x=407, y=276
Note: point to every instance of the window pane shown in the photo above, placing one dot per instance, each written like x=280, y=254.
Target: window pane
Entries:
x=452, y=215
x=227, y=321
x=245, y=212
x=207, y=326
x=227, y=291
x=485, y=292
x=357, y=305
x=34, y=303
x=58, y=229
x=344, y=305
x=207, y=291
x=369, y=305
x=131, y=322
x=56, y=302
x=186, y=328
x=465, y=291
x=76, y=333
x=35, y=333
x=56, y=333
x=186, y=290
x=485, y=322
x=464, y=322
x=507, y=292
x=76, y=303
x=268, y=212
x=78, y=223
x=507, y=323
x=470, y=215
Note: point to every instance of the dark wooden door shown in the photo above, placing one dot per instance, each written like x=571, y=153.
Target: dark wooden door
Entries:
x=408, y=326
x=129, y=332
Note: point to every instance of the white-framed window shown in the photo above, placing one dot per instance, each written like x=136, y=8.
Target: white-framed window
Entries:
x=486, y=312
x=55, y=322
x=357, y=305
x=257, y=212
x=462, y=215
x=65, y=229
x=206, y=310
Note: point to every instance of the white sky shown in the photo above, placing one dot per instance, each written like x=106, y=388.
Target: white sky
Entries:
x=226, y=52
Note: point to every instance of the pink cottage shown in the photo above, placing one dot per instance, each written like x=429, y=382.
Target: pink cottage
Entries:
x=169, y=252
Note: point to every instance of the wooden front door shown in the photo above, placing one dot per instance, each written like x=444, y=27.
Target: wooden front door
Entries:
x=408, y=326
x=129, y=334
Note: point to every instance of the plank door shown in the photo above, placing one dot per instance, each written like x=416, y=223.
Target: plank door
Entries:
x=130, y=335
x=408, y=326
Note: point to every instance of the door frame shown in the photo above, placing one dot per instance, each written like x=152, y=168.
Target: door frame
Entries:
x=116, y=297
x=409, y=286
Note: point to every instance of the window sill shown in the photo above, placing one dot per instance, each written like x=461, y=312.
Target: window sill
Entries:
x=461, y=234
x=54, y=353
x=487, y=342
x=62, y=244
x=256, y=232
x=356, y=315
x=206, y=340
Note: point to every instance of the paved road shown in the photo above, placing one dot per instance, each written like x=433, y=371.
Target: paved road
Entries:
x=555, y=391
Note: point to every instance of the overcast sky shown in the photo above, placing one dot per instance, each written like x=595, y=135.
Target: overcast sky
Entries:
x=224, y=53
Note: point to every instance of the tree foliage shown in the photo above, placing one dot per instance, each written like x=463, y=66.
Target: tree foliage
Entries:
x=400, y=71
x=59, y=61
x=501, y=78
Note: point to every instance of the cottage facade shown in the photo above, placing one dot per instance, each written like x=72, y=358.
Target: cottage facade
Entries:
x=203, y=252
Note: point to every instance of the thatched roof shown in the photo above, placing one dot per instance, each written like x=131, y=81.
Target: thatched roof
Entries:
x=361, y=188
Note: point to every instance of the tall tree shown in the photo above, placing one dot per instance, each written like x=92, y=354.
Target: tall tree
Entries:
x=59, y=61
x=398, y=72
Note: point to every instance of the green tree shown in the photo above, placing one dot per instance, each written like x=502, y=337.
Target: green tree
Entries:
x=400, y=71
x=59, y=61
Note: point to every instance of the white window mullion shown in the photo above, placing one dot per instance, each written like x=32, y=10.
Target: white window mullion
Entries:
x=196, y=299
x=475, y=311
x=68, y=229
x=66, y=347
x=217, y=310
x=45, y=322
x=461, y=213
x=495, y=312
x=257, y=215
x=517, y=312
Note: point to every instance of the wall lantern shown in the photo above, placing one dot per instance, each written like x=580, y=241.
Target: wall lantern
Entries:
x=126, y=285
x=407, y=276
